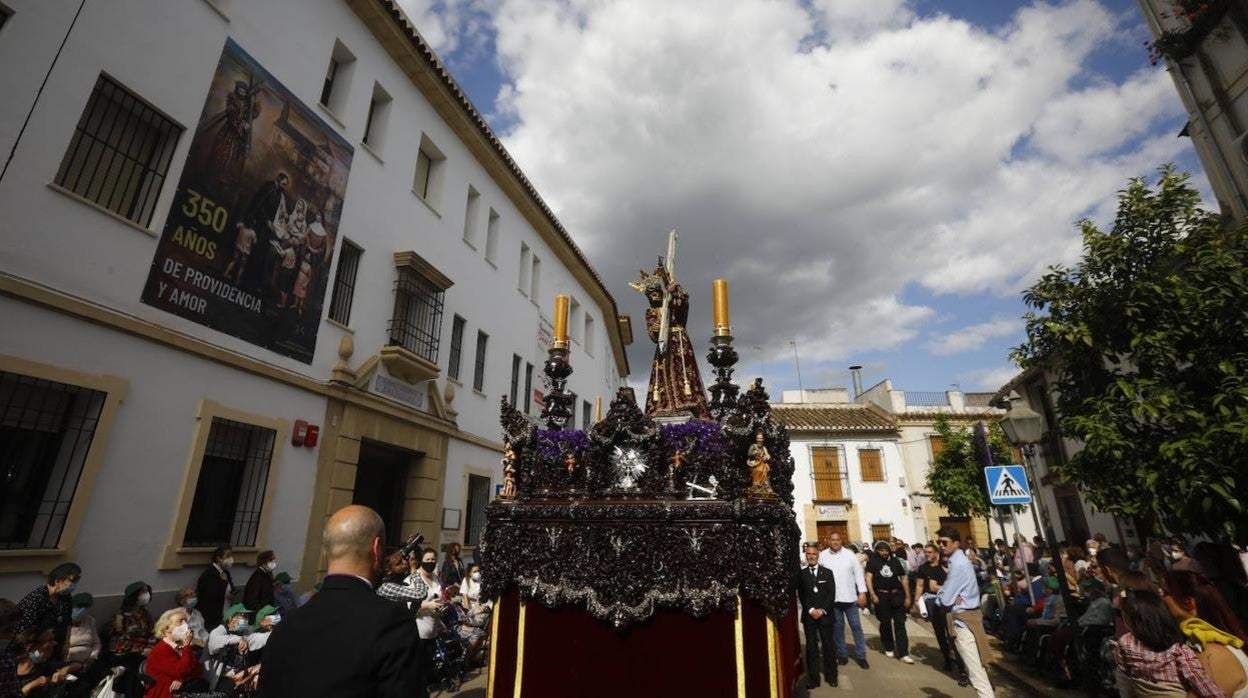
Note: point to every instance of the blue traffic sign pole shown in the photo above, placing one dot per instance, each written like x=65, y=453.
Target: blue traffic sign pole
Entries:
x=1007, y=486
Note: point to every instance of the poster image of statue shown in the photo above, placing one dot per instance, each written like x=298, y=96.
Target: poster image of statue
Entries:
x=249, y=240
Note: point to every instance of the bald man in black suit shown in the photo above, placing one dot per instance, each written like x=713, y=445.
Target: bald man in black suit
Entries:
x=347, y=642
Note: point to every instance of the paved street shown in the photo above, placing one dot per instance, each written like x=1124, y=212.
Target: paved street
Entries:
x=886, y=677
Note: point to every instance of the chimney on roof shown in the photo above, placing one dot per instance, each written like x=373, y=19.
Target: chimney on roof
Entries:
x=857, y=373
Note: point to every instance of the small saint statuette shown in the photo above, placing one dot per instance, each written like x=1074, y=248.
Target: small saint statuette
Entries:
x=759, y=461
x=509, y=473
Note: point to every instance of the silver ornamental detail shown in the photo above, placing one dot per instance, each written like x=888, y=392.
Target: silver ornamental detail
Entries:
x=629, y=466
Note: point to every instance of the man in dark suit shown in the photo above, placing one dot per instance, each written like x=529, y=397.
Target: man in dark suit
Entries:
x=816, y=594
x=346, y=642
x=215, y=588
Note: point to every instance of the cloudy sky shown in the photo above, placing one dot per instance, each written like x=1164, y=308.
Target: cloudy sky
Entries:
x=878, y=179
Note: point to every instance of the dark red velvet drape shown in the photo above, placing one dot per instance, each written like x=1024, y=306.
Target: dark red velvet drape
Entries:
x=569, y=654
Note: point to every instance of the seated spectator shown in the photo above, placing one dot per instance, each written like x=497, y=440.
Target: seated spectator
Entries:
x=33, y=650
x=471, y=624
x=470, y=590
x=269, y=617
x=188, y=601
x=172, y=663
x=84, y=636
x=228, y=648
x=9, y=618
x=1153, y=656
x=1223, y=569
x=1099, y=612
x=1211, y=629
x=130, y=636
x=283, y=594
x=306, y=596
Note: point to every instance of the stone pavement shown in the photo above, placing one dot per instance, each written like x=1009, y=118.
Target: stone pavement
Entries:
x=886, y=677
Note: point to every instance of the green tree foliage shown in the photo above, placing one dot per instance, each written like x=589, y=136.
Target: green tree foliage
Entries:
x=956, y=479
x=1148, y=339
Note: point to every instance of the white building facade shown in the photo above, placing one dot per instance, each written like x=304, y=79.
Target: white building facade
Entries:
x=850, y=476
x=158, y=385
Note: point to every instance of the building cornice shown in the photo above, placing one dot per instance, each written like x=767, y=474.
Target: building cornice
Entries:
x=399, y=37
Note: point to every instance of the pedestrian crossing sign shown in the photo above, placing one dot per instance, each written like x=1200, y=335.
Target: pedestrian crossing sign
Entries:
x=1007, y=484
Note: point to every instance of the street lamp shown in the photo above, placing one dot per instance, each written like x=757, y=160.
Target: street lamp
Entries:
x=1023, y=427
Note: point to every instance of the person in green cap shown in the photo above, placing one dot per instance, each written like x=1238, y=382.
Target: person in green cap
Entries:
x=266, y=619
x=228, y=646
x=283, y=596
x=84, y=636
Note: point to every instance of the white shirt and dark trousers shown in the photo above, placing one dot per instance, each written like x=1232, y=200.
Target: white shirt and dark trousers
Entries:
x=850, y=582
x=816, y=595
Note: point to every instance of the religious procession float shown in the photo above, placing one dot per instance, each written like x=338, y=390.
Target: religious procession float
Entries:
x=651, y=554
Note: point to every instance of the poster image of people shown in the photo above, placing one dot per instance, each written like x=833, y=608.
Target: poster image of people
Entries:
x=250, y=237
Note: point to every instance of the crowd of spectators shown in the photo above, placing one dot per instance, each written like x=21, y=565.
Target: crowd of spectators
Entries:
x=212, y=640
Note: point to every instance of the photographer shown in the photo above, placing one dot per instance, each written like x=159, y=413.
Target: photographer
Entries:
x=400, y=583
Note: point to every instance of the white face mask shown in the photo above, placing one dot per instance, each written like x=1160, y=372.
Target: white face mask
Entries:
x=272, y=565
x=181, y=631
x=227, y=563
x=1176, y=555
x=191, y=602
x=144, y=598
x=476, y=576
x=1093, y=551
x=78, y=612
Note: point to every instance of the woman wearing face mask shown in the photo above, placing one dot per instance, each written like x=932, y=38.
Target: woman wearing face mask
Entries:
x=33, y=648
x=427, y=617
x=172, y=663
x=215, y=588
x=452, y=569
x=259, y=591
x=470, y=590
x=269, y=617
x=228, y=647
x=130, y=635
x=84, y=637
x=188, y=601
x=1179, y=561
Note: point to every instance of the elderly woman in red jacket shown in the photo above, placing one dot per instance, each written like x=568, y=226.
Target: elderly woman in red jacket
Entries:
x=172, y=662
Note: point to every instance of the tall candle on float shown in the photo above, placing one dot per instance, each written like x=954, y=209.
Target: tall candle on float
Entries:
x=719, y=288
x=561, y=321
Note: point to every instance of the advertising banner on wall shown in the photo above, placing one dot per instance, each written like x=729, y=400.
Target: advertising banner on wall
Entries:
x=248, y=244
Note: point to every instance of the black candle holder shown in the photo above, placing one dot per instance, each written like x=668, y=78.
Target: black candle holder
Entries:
x=557, y=405
x=723, y=391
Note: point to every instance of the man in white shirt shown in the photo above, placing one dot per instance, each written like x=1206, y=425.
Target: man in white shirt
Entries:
x=851, y=595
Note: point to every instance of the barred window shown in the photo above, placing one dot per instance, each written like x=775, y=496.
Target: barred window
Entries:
x=871, y=465
x=417, y=321
x=457, y=347
x=478, y=373
x=46, y=429
x=830, y=485
x=344, y=283
x=587, y=416
x=478, y=498
x=233, y=476
x=528, y=387
x=120, y=153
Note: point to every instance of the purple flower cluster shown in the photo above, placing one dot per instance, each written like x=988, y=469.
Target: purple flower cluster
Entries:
x=554, y=444
x=701, y=437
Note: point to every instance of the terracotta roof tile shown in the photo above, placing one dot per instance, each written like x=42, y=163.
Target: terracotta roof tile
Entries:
x=834, y=417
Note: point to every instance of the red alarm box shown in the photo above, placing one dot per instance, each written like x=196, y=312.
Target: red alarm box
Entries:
x=299, y=433
x=310, y=438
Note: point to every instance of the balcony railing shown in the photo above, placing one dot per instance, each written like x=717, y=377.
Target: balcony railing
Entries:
x=926, y=399
x=831, y=488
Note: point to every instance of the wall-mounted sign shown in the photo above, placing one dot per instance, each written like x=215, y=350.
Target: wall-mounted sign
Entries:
x=832, y=511
x=398, y=390
x=249, y=241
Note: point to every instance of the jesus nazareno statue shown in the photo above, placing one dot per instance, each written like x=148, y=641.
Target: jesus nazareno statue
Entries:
x=675, y=383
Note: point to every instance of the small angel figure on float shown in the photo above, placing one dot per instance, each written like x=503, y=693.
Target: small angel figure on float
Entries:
x=759, y=461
